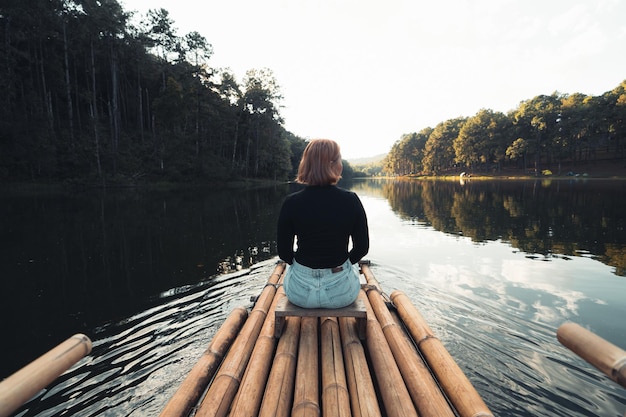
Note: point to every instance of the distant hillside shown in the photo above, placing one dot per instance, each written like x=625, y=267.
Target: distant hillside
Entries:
x=368, y=160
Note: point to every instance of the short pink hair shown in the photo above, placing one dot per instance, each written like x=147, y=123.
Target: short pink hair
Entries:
x=317, y=163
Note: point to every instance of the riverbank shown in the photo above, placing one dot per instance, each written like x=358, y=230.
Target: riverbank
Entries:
x=601, y=169
x=46, y=187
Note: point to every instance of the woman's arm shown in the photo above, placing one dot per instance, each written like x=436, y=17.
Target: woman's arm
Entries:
x=285, y=235
x=360, y=234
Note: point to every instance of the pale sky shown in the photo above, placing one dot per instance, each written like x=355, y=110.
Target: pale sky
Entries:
x=364, y=72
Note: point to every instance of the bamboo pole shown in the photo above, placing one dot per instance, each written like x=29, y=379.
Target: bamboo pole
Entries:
x=21, y=386
x=362, y=394
x=394, y=393
x=335, y=397
x=278, y=396
x=189, y=392
x=454, y=382
x=306, y=392
x=398, y=321
x=248, y=399
x=222, y=390
x=602, y=354
x=426, y=395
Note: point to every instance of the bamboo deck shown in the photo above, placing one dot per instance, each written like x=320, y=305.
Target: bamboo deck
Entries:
x=320, y=366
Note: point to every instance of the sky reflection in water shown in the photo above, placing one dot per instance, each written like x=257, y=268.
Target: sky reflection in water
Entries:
x=497, y=309
x=495, y=306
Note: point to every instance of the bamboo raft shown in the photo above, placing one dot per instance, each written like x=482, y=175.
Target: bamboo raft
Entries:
x=317, y=365
x=375, y=358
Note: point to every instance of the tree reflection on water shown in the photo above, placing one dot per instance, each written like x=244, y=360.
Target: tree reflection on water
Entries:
x=547, y=218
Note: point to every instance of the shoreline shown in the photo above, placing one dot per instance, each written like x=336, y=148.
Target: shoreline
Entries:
x=603, y=169
x=594, y=170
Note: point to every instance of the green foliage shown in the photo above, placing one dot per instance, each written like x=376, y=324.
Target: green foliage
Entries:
x=89, y=97
x=371, y=169
x=545, y=130
x=407, y=154
x=439, y=150
x=517, y=149
x=480, y=139
x=348, y=171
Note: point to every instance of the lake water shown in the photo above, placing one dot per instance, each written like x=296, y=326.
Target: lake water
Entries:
x=494, y=266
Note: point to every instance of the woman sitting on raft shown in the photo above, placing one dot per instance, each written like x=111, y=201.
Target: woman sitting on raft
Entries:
x=323, y=217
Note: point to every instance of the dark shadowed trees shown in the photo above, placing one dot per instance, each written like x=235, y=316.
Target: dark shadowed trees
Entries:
x=88, y=96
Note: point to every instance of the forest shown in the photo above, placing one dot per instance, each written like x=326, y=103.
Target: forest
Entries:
x=559, y=132
x=90, y=96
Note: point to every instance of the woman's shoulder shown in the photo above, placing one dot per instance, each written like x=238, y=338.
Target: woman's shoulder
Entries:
x=293, y=196
x=345, y=192
x=327, y=191
x=347, y=197
x=301, y=196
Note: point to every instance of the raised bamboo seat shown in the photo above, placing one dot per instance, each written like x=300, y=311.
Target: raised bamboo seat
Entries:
x=284, y=309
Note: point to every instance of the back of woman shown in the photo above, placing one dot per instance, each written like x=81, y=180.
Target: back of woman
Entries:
x=323, y=219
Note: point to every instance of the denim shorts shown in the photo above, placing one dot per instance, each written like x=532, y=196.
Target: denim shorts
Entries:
x=322, y=288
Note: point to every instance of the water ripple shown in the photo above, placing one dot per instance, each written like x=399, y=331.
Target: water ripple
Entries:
x=513, y=359
x=137, y=363
x=507, y=350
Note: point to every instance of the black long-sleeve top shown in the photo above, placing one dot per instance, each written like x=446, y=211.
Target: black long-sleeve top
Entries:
x=323, y=218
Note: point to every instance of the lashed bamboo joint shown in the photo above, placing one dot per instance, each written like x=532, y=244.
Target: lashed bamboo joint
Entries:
x=319, y=366
x=286, y=309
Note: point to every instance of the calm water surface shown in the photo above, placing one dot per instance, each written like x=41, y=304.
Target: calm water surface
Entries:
x=495, y=268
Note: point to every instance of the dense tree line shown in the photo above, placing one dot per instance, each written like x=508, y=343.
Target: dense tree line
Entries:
x=558, y=131
x=87, y=94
